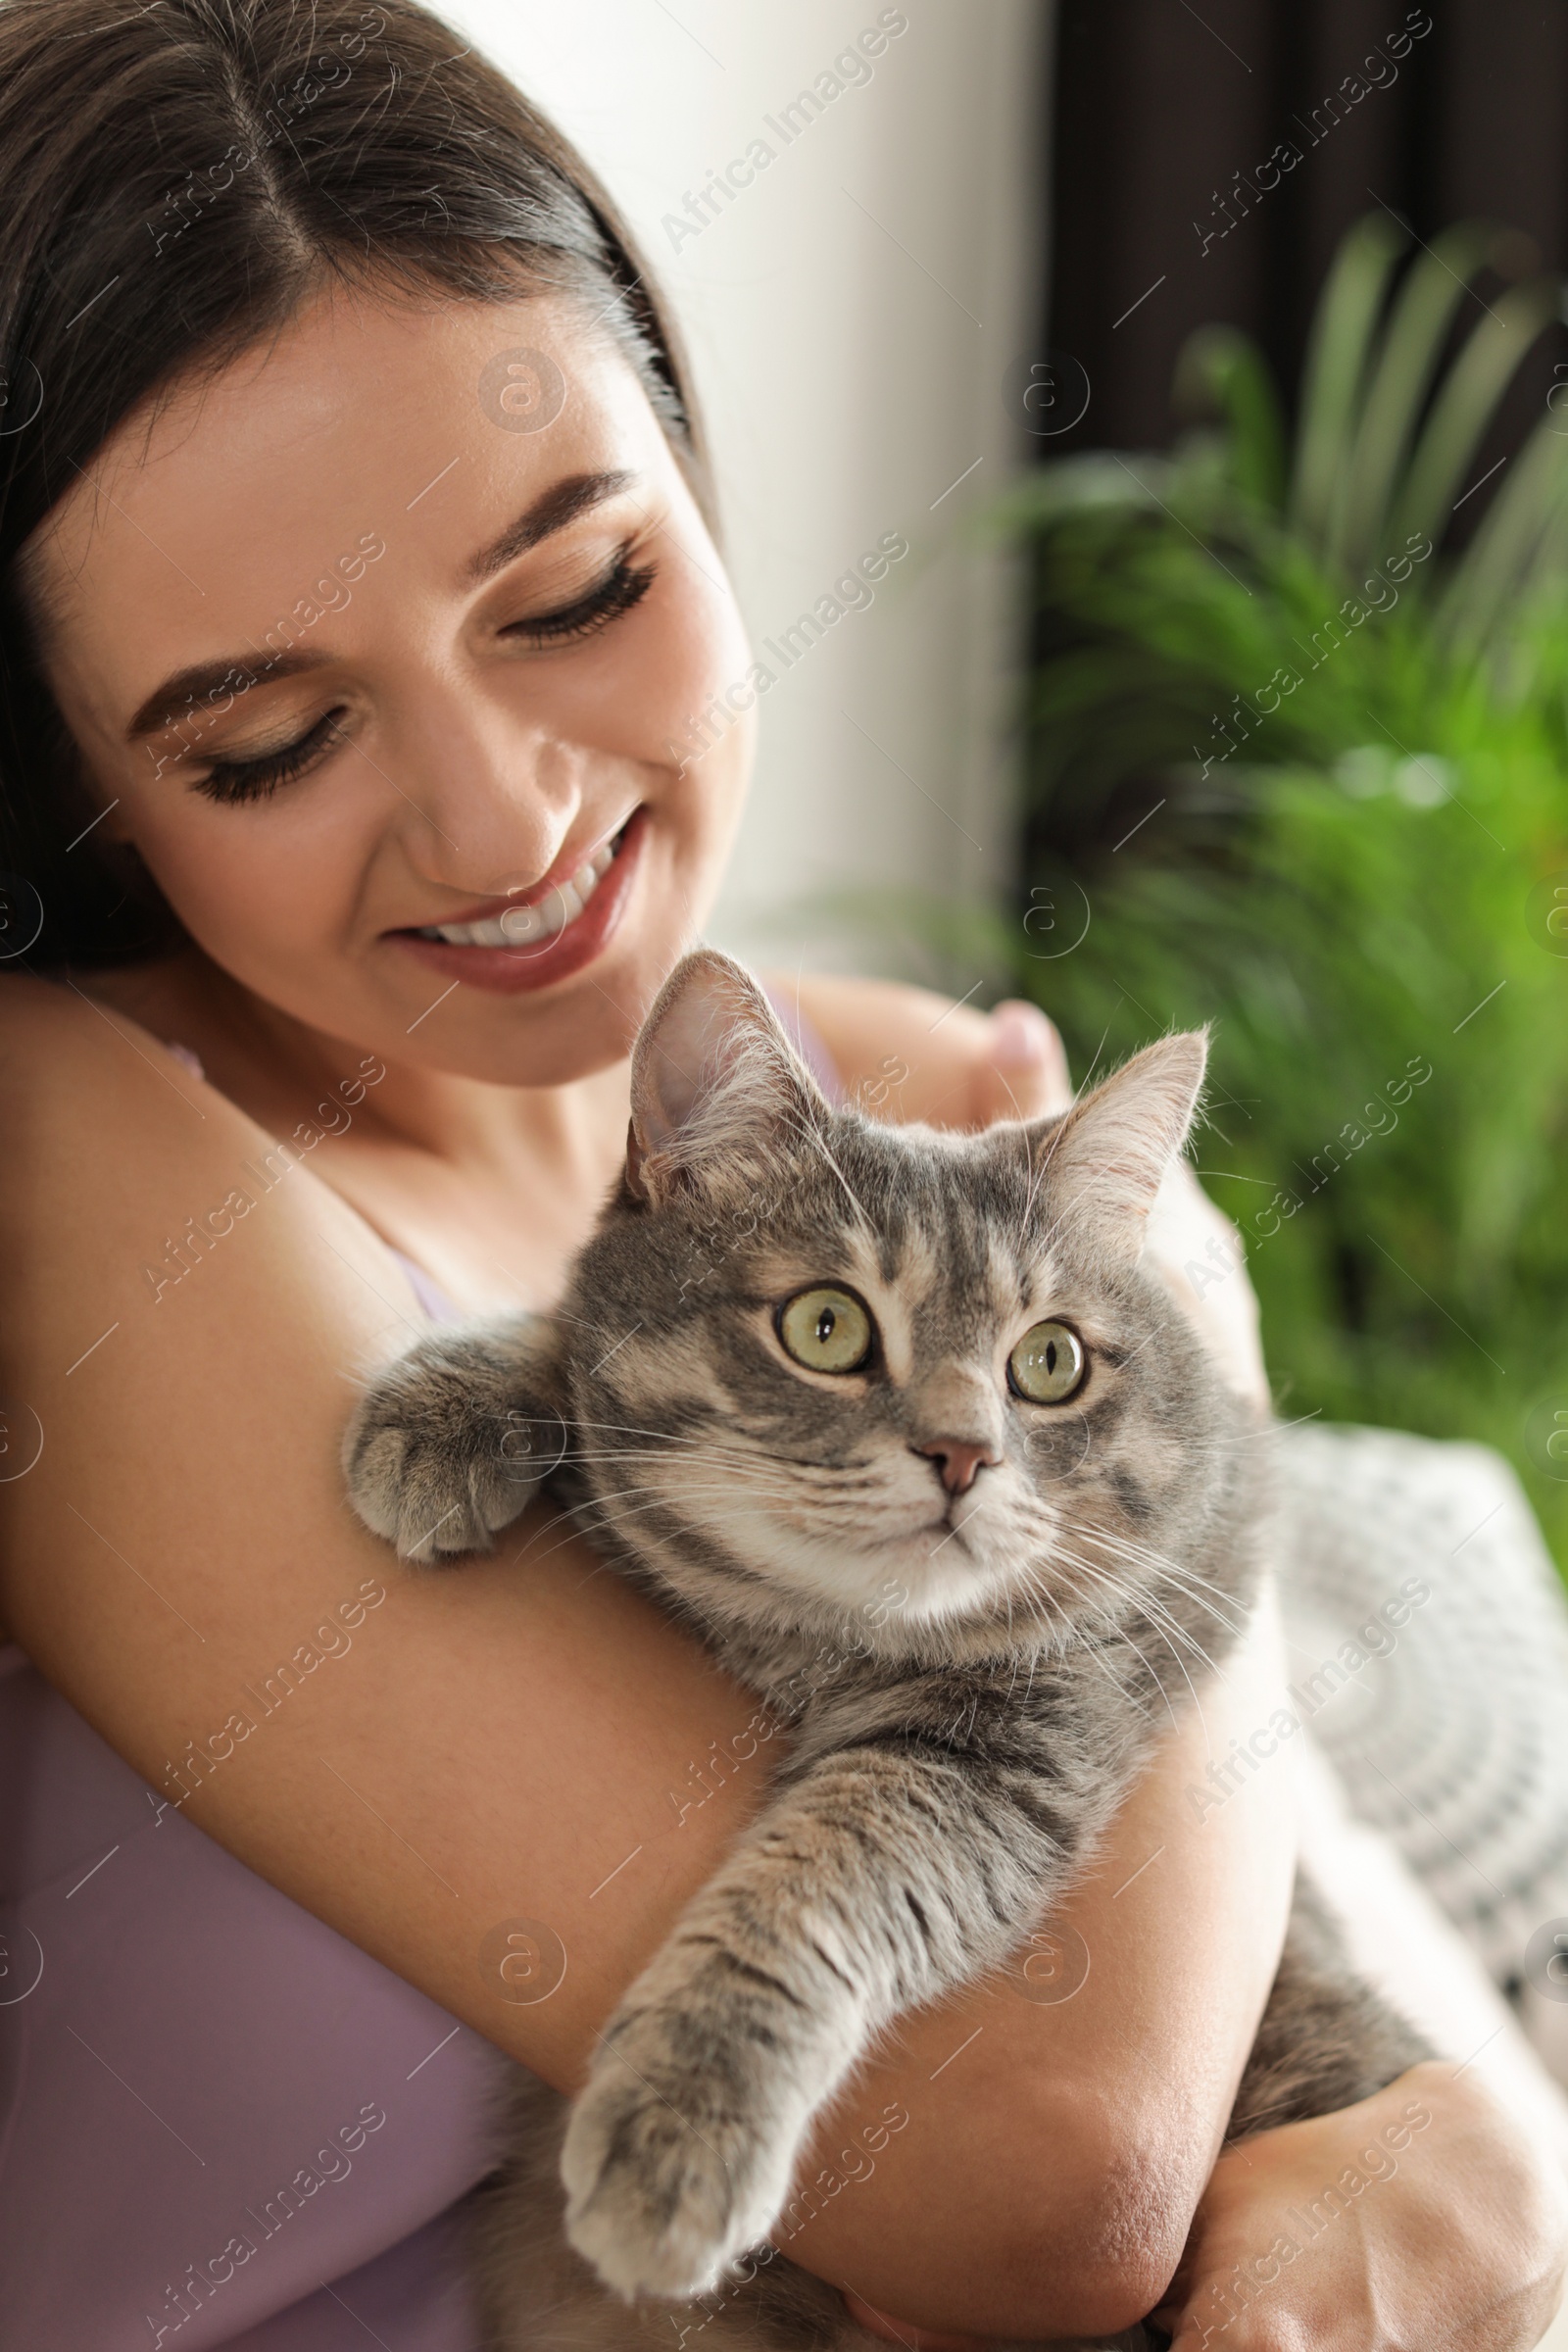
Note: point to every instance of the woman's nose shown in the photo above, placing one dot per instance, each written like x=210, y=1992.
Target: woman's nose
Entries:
x=489, y=803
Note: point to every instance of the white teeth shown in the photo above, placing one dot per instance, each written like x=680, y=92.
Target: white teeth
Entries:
x=518, y=927
x=526, y=927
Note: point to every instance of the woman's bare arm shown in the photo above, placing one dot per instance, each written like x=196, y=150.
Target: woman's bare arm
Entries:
x=518, y=1740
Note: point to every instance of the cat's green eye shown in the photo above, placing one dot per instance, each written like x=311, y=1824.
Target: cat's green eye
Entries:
x=826, y=1329
x=1047, y=1363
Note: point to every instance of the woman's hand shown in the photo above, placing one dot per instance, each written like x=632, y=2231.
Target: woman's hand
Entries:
x=905, y=1053
x=1421, y=2216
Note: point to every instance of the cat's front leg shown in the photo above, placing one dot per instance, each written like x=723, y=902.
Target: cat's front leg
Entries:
x=453, y=1440
x=884, y=1877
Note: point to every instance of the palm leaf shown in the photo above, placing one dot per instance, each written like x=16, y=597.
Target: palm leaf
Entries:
x=1517, y=548
x=1343, y=330
x=1401, y=375
x=1464, y=405
x=1223, y=369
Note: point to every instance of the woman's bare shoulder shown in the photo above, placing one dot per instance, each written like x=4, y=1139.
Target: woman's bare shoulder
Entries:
x=65, y=1052
x=100, y=1113
x=114, y=1148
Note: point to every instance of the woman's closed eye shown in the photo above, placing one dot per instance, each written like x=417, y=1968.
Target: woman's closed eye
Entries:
x=232, y=781
x=616, y=591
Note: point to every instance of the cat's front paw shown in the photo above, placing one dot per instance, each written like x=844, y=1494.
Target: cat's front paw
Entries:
x=430, y=1467
x=666, y=2179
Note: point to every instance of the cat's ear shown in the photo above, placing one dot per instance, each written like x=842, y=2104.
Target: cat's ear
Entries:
x=1102, y=1164
x=716, y=1086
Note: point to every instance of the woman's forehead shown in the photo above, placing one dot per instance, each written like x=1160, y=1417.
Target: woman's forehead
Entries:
x=414, y=418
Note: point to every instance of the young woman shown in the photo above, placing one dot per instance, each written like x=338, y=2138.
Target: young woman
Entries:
x=357, y=573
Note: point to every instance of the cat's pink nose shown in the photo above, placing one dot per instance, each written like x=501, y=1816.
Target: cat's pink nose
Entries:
x=959, y=1461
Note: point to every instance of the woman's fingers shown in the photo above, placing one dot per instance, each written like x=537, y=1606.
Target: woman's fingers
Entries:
x=1023, y=1071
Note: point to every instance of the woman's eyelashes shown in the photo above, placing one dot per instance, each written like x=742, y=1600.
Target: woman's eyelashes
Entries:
x=615, y=592
x=232, y=781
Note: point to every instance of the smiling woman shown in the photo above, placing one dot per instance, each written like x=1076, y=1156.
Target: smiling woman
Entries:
x=357, y=578
x=363, y=785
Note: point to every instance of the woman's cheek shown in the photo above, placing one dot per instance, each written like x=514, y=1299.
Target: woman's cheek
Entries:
x=693, y=683
x=265, y=888
x=706, y=796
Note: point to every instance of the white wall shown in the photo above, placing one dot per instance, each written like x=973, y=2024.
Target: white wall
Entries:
x=852, y=314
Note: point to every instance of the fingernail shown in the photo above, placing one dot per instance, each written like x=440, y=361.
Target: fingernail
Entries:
x=1022, y=1038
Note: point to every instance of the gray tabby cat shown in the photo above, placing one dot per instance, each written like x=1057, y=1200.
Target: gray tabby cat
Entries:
x=898, y=1420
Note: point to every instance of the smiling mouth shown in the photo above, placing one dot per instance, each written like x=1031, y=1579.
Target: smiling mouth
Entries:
x=535, y=925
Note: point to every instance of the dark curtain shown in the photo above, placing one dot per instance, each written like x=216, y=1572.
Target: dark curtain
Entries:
x=1166, y=116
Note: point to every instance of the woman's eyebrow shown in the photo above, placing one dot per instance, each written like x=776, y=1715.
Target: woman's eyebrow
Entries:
x=182, y=695
x=559, y=505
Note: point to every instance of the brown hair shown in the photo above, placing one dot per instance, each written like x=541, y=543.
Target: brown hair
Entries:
x=174, y=180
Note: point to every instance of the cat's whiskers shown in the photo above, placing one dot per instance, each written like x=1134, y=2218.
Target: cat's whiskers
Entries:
x=630, y=1429
x=1148, y=1599
x=1097, y=1649
x=1262, y=1436
x=737, y=1463
x=1159, y=1560
x=1140, y=1596
x=1229, y=1615
x=1168, y=1571
x=841, y=1480
x=572, y=1520
x=737, y=1490
x=1033, y=1582
x=1071, y=1560
x=1039, y=1592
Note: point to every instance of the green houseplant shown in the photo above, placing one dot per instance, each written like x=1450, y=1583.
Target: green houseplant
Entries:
x=1293, y=771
